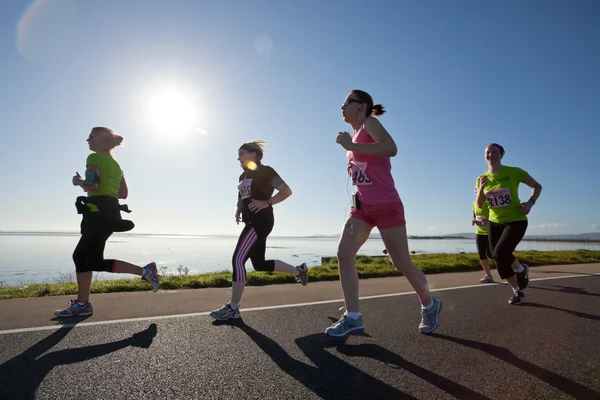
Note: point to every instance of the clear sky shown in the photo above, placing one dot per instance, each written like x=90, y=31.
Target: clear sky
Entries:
x=186, y=82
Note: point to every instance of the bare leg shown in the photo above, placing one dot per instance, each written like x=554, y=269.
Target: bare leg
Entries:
x=84, y=285
x=354, y=235
x=123, y=267
x=237, y=289
x=486, y=266
x=396, y=243
x=281, y=266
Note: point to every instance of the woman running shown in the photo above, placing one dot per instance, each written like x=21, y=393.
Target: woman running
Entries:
x=375, y=203
x=101, y=217
x=480, y=220
x=499, y=186
x=255, y=209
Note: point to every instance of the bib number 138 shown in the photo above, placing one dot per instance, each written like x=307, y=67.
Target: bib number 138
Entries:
x=499, y=198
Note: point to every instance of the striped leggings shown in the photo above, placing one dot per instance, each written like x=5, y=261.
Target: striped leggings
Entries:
x=252, y=245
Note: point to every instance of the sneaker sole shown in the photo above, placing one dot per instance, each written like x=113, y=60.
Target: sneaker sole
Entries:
x=349, y=332
x=84, y=314
x=437, y=316
x=225, y=319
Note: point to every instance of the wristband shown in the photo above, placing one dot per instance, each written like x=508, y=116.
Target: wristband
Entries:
x=532, y=200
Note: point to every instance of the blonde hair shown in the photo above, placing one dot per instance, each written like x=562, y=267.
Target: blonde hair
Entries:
x=115, y=140
x=257, y=146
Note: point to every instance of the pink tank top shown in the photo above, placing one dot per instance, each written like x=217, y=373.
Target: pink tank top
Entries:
x=372, y=175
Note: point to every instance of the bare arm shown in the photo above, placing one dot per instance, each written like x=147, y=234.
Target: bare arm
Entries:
x=80, y=182
x=283, y=193
x=480, y=195
x=537, y=188
x=384, y=145
x=123, y=190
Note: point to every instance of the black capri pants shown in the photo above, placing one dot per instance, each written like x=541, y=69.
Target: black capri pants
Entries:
x=96, y=228
x=483, y=247
x=504, y=239
x=252, y=244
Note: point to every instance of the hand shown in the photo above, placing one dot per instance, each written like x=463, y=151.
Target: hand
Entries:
x=525, y=208
x=77, y=181
x=473, y=222
x=258, y=205
x=345, y=140
x=238, y=216
x=482, y=181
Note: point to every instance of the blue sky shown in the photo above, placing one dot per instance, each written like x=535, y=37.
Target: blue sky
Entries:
x=454, y=76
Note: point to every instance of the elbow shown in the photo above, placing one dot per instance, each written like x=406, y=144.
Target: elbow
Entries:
x=392, y=151
x=123, y=195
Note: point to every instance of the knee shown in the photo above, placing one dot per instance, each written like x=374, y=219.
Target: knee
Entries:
x=264, y=266
x=345, y=256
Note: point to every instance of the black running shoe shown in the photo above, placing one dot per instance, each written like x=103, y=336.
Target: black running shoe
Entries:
x=516, y=298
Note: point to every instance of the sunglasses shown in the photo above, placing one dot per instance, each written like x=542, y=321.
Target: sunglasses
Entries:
x=351, y=100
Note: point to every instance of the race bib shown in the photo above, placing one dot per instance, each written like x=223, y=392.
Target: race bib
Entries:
x=499, y=198
x=358, y=172
x=480, y=221
x=245, y=188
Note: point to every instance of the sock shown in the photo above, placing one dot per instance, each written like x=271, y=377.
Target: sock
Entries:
x=353, y=315
x=515, y=291
x=519, y=269
x=233, y=306
x=428, y=307
x=81, y=303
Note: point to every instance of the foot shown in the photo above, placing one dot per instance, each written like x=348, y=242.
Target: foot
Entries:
x=346, y=326
x=517, y=298
x=150, y=275
x=75, y=310
x=225, y=313
x=430, y=317
x=302, y=276
x=487, y=279
x=523, y=277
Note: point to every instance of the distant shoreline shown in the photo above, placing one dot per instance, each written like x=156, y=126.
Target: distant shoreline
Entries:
x=375, y=236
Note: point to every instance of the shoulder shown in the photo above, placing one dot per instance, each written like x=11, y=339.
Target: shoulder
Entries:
x=515, y=171
x=267, y=170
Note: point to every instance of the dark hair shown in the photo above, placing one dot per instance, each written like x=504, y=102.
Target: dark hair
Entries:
x=496, y=145
x=255, y=146
x=376, y=110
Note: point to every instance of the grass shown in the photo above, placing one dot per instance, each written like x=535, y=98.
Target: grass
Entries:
x=368, y=267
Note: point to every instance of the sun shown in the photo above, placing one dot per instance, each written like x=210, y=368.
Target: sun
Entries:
x=172, y=113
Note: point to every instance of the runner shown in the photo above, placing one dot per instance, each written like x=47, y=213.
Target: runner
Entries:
x=499, y=186
x=480, y=220
x=101, y=217
x=375, y=203
x=255, y=208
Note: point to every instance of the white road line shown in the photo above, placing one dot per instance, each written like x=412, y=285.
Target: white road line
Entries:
x=200, y=314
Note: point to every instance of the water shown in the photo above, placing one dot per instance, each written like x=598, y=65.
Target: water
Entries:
x=37, y=258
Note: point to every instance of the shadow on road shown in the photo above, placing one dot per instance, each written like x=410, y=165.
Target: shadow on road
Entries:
x=561, y=383
x=22, y=375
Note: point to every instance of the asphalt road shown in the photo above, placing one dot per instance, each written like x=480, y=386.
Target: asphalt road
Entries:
x=547, y=348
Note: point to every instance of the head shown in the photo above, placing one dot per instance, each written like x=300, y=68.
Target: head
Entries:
x=251, y=153
x=493, y=153
x=358, y=106
x=103, y=139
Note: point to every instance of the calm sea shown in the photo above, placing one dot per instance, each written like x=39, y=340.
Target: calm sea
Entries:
x=35, y=258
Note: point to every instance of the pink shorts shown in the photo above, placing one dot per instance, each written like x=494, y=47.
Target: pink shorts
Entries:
x=383, y=216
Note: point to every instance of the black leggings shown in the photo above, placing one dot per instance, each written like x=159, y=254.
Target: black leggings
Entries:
x=483, y=247
x=89, y=253
x=251, y=244
x=504, y=239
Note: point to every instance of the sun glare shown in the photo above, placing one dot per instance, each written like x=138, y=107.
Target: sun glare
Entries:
x=172, y=113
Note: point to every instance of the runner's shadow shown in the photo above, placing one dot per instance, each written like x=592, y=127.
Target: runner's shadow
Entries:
x=396, y=361
x=334, y=378
x=331, y=378
x=566, y=289
x=22, y=375
x=575, y=313
x=561, y=383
